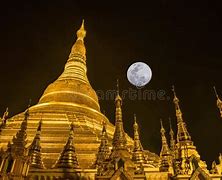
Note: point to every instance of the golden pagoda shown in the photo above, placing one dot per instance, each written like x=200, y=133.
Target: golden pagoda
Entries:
x=69, y=99
x=65, y=136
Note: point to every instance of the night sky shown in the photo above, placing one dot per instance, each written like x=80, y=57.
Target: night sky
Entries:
x=180, y=41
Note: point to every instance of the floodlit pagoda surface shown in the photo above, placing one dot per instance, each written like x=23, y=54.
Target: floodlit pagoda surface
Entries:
x=65, y=136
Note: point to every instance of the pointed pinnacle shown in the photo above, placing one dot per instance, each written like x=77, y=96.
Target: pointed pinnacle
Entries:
x=117, y=86
x=215, y=92
x=5, y=115
x=173, y=89
x=135, y=118
x=104, y=127
x=82, y=26
x=30, y=102
x=81, y=33
x=170, y=123
x=40, y=125
x=72, y=126
x=161, y=124
x=162, y=130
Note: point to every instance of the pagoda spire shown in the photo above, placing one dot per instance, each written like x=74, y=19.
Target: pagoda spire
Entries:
x=165, y=154
x=72, y=86
x=138, y=155
x=214, y=169
x=68, y=157
x=120, y=159
x=104, y=151
x=35, y=150
x=172, y=140
x=182, y=133
x=137, y=143
x=219, y=102
x=4, y=119
x=5, y=116
x=75, y=67
x=19, y=141
x=79, y=47
x=119, y=139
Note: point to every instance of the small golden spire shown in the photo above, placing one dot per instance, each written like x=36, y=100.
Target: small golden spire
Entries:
x=104, y=126
x=35, y=150
x=118, y=98
x=103, y=151
x=182, y=133
x=20, y=139
x=119, y=139
x=135, y=123
x=138, y=154
x=171, y=129
x=68, y=157
x=135, y=119
x=175, y=99
x=136, y=134
x=165, y=155
x=219, y=102
x=215, y=92
x=176, y=102
x=172, y=141
x=5, y=116
x=40, y=125
x=162, y=130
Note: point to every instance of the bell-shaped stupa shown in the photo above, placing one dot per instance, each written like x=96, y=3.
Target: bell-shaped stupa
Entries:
x=69, y=99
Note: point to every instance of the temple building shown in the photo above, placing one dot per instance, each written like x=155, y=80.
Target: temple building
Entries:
x=65, y=136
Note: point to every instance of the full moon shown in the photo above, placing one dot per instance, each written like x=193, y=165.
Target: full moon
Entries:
x=139, y=74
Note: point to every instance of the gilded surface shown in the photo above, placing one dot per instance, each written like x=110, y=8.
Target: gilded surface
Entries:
x=66, y=136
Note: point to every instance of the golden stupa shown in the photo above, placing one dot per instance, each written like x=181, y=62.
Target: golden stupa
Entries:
x=69, y=99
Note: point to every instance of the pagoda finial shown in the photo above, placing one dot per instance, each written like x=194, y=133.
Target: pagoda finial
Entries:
x=170, y=123
x=118, y=98
x=134, y=119
x=35, y=150
x=165, y=155
x=104, y=127
x=81, y=33
x=27, y=110
x=215, y=90
x=162, y=130
x=137, y=143
x=30, y=102
x=68, y=157
x=117, y=86
x=175, y=99
x=172, y=140
x=4, y=117
x=78, y=49
x=219, y=102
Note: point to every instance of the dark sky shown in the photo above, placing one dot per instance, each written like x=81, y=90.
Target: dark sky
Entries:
x=180, y=41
